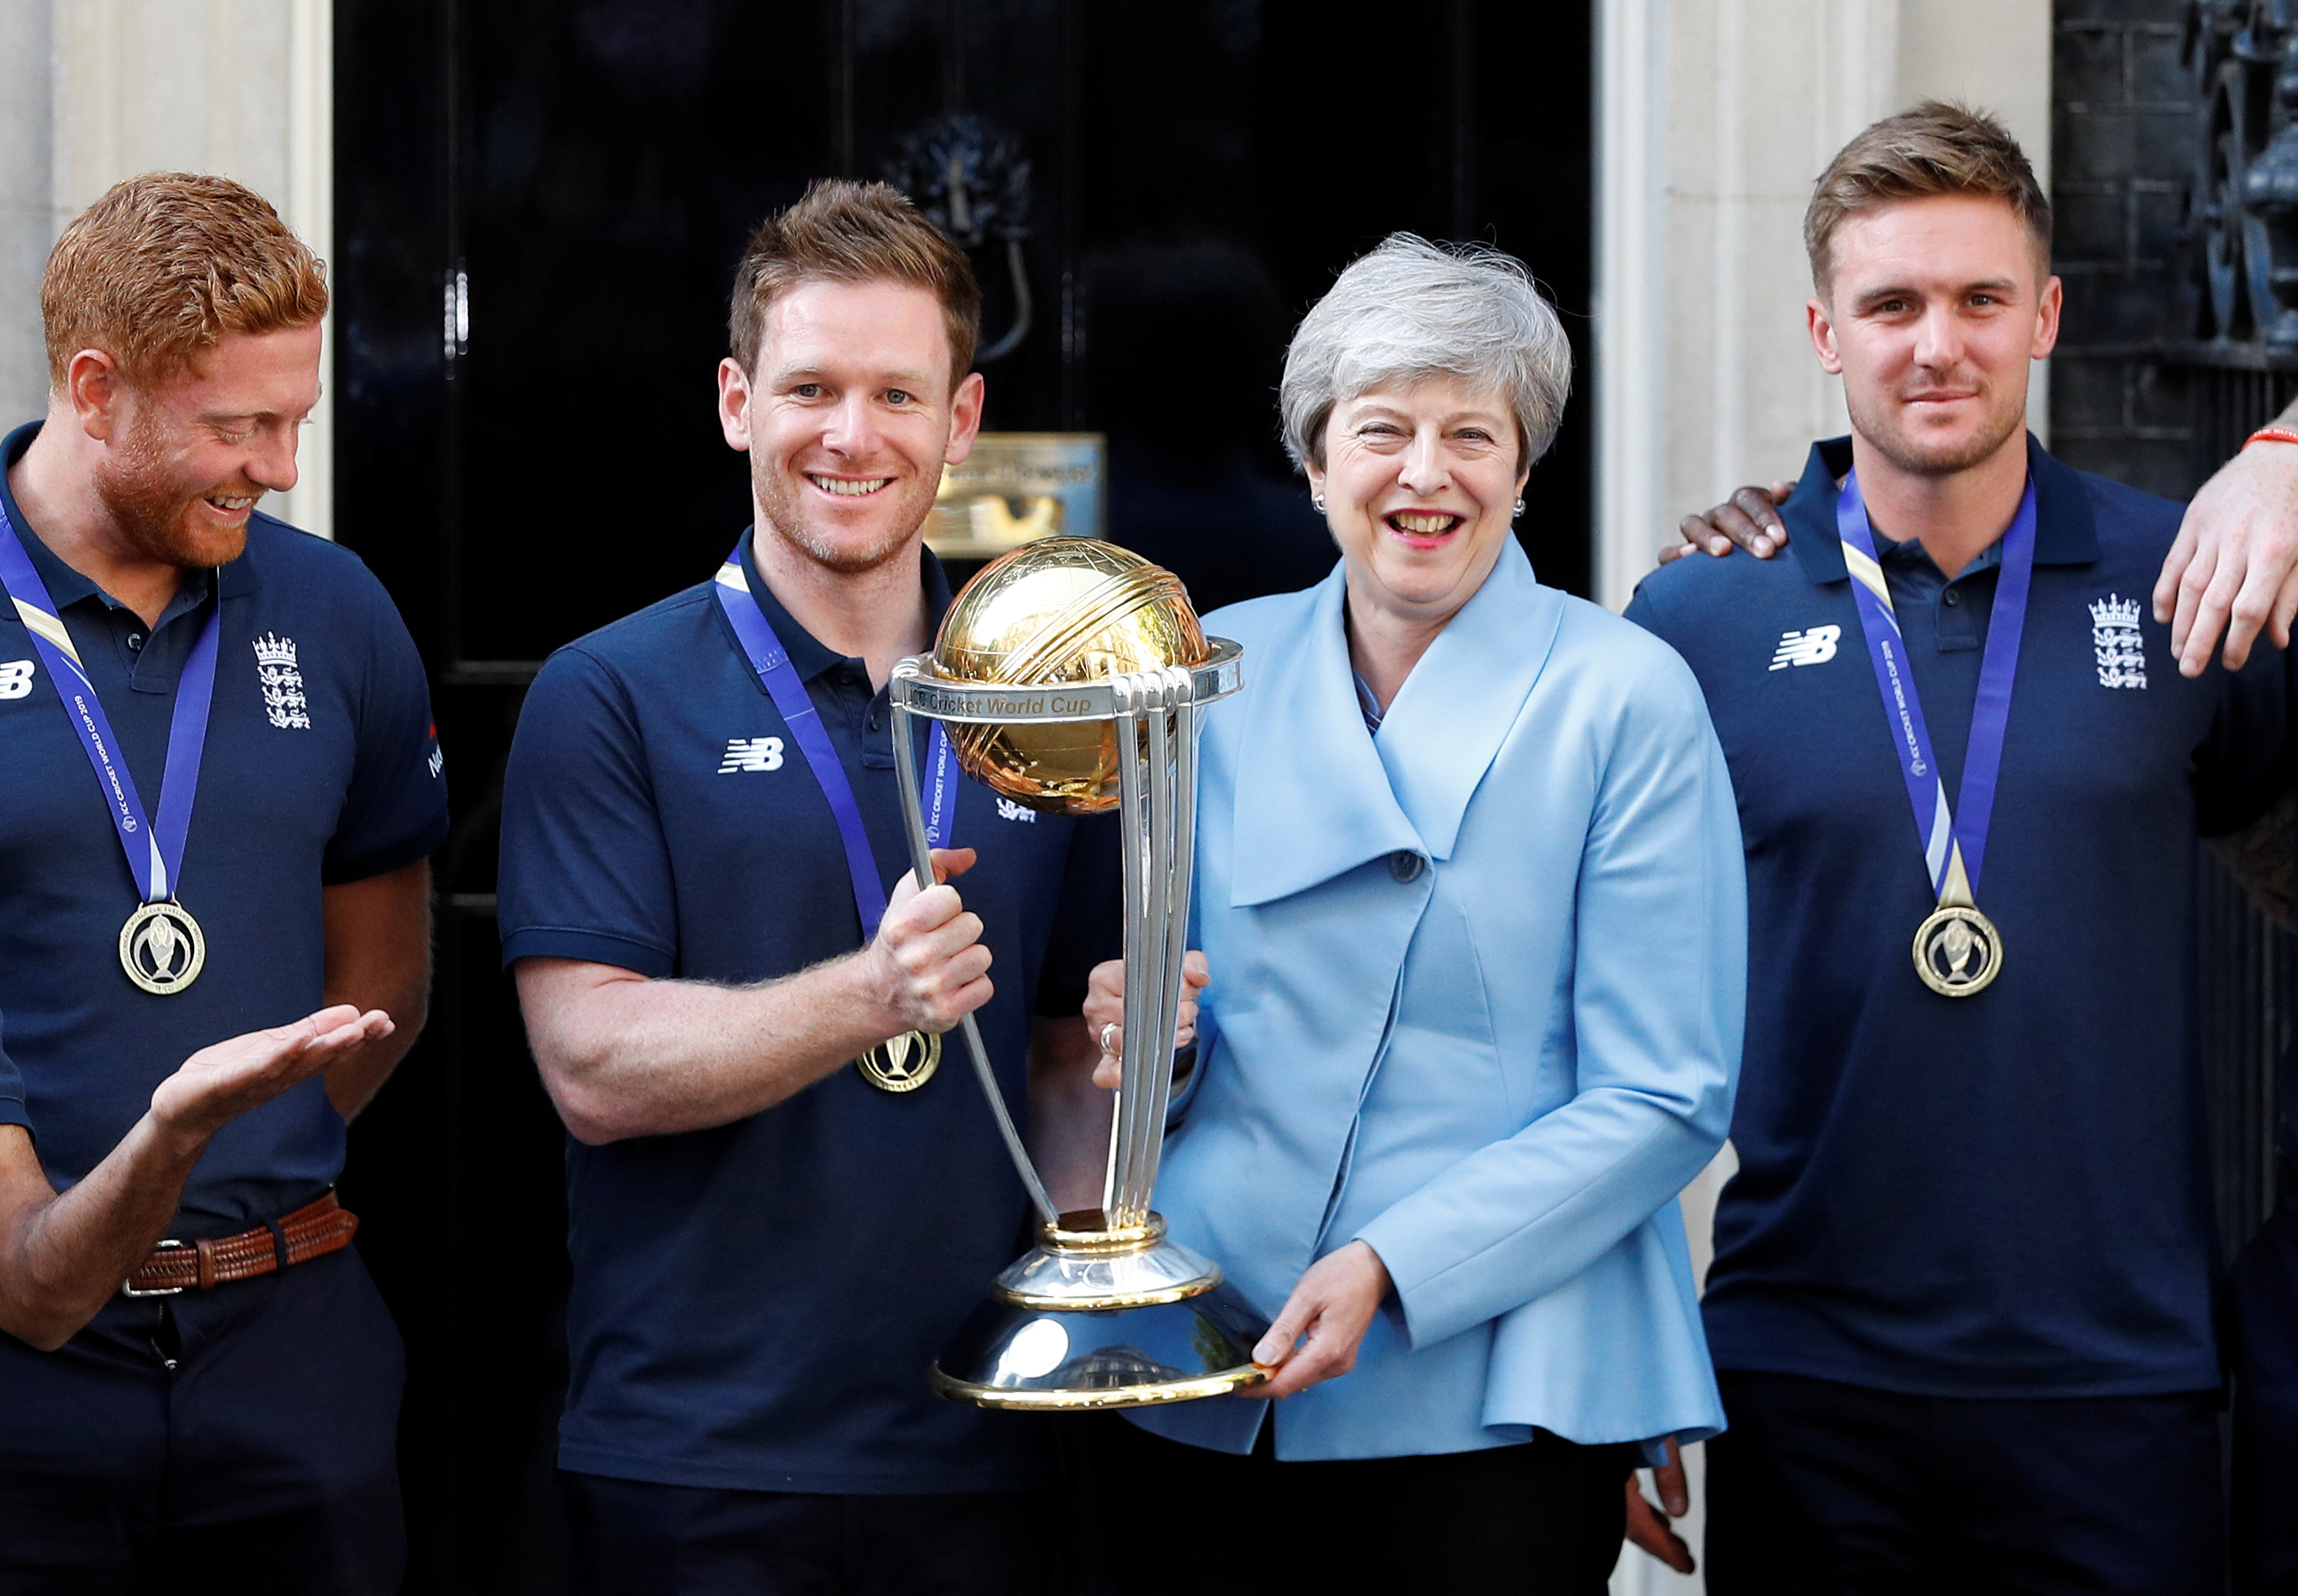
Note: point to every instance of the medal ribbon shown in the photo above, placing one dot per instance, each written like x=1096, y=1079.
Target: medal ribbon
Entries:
x=156, y=855
x=771, y=661
x=1955, y=842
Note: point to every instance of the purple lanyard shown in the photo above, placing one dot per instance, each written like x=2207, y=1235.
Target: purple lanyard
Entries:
x=771, y=661
x=155, y=855
x=1956, y=836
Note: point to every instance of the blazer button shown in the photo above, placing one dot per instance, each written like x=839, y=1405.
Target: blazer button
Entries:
x=1405, y=865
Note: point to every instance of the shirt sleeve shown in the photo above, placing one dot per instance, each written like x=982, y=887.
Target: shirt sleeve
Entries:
x=2249, y=759
x=585, y=871
x=1089, y=924
x=1643, y=611
x=396, y=812
x=11, y=1089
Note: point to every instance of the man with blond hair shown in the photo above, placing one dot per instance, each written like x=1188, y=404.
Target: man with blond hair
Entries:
x=218, y=786
x=783, y=1196
x=1962, y=1298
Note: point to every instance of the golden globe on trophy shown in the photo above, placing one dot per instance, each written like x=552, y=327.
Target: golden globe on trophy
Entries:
x=1071, y=676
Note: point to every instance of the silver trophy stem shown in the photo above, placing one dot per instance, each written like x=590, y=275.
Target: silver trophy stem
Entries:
x=905, y=760
x=1105, y=1310
x=1179, y=841
x=1158, y=809
x=1132, y=818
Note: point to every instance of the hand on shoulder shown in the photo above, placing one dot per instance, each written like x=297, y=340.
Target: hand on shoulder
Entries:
x=2234, y=567
x=1750, y=519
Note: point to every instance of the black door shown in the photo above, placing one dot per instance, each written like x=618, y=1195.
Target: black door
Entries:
x=539, y=205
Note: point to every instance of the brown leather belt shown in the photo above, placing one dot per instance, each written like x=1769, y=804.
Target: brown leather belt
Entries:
x=312, y=1231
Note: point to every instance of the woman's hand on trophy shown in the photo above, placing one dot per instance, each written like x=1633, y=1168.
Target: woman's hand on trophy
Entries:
x=1327, y=1316
x=928, y=964
x=1104, y=1011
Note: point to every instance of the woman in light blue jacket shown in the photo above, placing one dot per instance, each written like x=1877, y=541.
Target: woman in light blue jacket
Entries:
x=1470, y=889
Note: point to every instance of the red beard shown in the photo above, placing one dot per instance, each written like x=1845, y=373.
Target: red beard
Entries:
x=158, y=512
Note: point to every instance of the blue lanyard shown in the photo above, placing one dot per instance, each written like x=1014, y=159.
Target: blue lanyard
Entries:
x=1954, y=842
x=771, y=661
x=156, y=855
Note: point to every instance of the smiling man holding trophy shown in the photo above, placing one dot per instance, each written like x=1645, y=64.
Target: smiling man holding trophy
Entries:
x=780, y=1203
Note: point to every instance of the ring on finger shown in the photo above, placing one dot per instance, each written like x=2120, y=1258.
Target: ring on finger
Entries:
x=1108, y=1034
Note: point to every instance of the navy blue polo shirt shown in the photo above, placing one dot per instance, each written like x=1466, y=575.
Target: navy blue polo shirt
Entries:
x=12, y=1086
x=756, y=1305
x=2009, y=1193
x=292, y=798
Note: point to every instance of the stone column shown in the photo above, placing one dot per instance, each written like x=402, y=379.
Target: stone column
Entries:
x=27, y=226
x=1716, y=115
x=92, y=91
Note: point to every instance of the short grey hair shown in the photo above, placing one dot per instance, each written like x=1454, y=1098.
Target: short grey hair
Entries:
x=1412, y=309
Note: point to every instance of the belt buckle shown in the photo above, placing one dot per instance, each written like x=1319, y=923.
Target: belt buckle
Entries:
x=127, y=1287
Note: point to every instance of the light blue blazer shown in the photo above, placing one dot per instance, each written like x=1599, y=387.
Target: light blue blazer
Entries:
x=1498, y=1068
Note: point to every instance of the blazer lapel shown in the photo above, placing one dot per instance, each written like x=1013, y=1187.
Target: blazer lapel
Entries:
x=1317, y=796
x=1461, y=700
x=1312, y=798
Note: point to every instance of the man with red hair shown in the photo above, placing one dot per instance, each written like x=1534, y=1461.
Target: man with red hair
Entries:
x=218, y=788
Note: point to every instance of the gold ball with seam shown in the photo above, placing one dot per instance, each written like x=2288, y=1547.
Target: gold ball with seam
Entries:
x=1056, y=613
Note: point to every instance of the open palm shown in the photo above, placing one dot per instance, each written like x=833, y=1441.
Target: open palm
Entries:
x=231, y=1077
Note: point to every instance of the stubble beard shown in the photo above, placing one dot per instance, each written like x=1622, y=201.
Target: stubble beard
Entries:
x=780, y=512
x=153, y=506
x=1883, y=429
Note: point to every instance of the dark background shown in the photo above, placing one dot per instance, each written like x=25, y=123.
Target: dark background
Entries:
x=2158, y=109
x=538, y=207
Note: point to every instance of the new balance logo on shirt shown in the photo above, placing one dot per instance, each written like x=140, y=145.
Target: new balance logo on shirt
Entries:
x=1007, y=809
x=751, y=752
x=1815, y=645
x=15, y=678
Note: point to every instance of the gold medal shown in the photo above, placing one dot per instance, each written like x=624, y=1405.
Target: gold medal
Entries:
x=902, y=1063
x=162, y=949
x=1957, y=950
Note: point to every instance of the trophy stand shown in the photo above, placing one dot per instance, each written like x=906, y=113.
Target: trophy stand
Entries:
x=1105, y=1310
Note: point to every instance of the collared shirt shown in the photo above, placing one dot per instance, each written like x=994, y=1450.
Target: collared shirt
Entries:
x=2006, y=1193
x=331, y=777
x=1961, y=604
x=755, y=1305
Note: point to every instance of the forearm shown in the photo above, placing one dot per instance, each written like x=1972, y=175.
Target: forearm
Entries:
x=635, y=1057
x=379, y=957
x=352, y=1084
x=1070, y=1117
x=63, y=1256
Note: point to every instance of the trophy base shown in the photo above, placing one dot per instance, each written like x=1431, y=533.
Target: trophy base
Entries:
x=1082, y=1263
x=1102, y=1317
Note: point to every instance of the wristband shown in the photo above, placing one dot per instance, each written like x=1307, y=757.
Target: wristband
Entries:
x=2271, y=434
